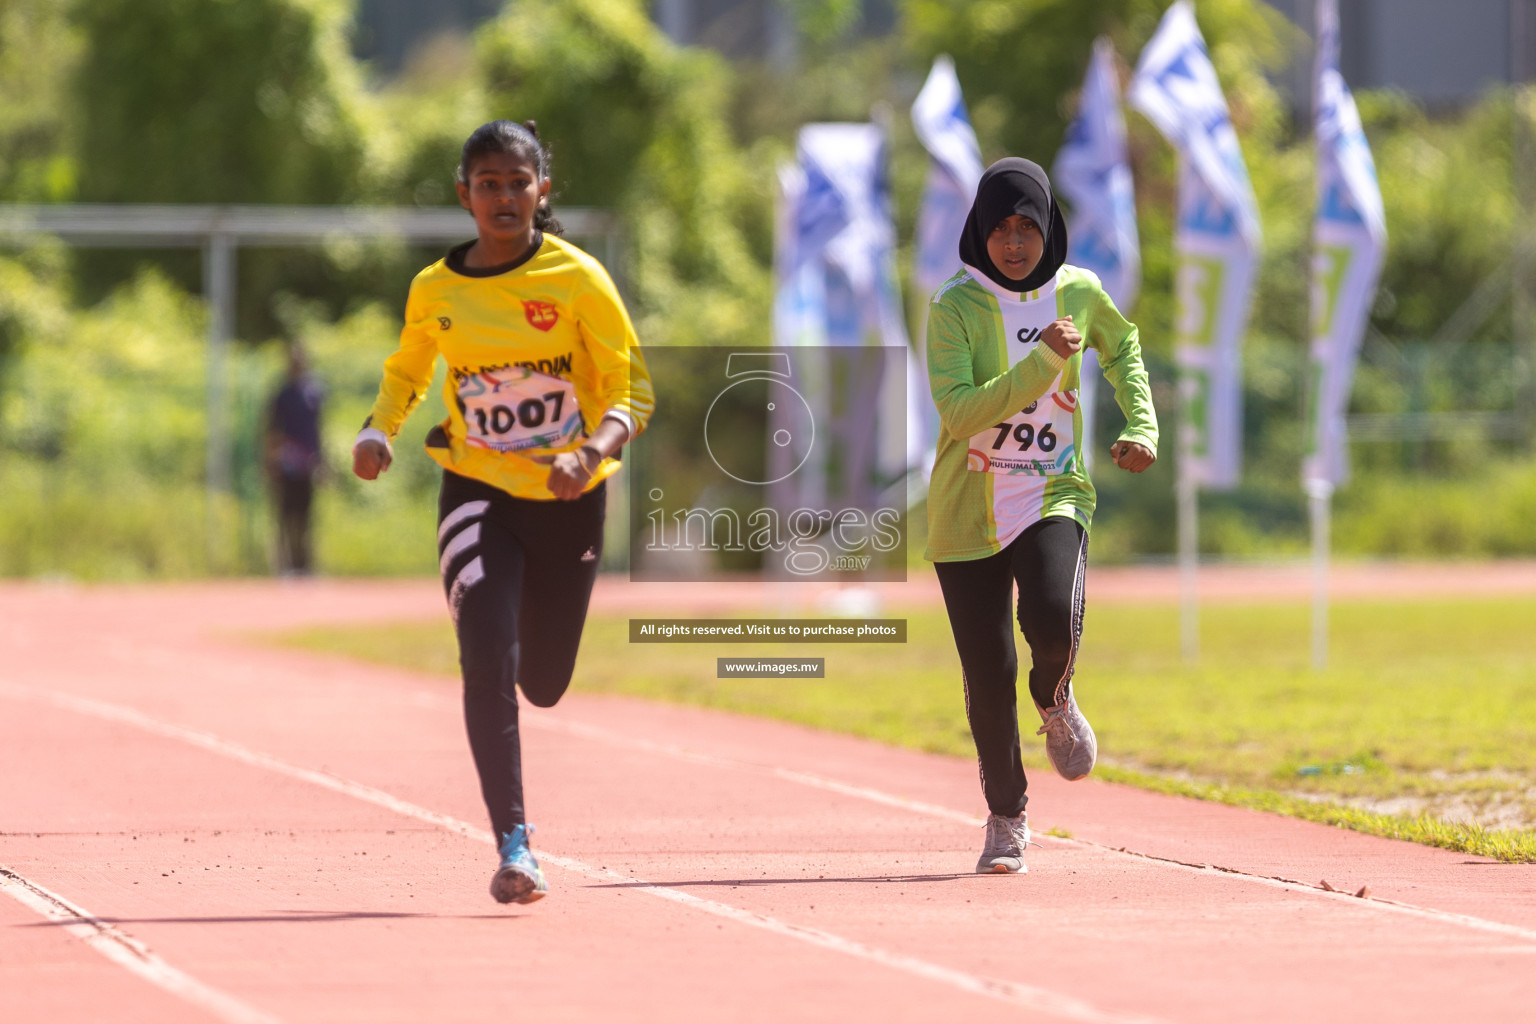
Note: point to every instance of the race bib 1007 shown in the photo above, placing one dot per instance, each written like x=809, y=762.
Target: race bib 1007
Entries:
x=1036, y=441
x=515, y=409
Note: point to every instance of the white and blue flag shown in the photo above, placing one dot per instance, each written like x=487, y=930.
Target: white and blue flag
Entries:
x=1093, y=174
x=1349, y=240
x=954, y=168
x=835, y=268
x=799, y=293
x=1216, y=243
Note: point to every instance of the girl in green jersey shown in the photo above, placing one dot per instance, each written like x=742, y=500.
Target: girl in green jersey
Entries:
x=1010, y=502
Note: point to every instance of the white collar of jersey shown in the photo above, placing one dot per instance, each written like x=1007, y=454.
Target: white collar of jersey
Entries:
x=1045, y=291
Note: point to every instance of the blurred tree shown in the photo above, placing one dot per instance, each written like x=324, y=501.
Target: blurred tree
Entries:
x=424, y=115
x=226, y=101
x=217, y=101
x=1021, y=61
x=637, y=124
x=38, y=54
x=823, y=21
x=39, y=49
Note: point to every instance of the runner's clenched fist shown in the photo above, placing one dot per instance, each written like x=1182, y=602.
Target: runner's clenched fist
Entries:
x=1062, y=337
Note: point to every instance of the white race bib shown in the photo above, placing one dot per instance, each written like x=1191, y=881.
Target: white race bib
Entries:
x=515, y=409
x=1036, y=441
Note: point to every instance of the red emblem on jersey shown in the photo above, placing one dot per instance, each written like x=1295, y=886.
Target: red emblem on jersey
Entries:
x=541, y=314
x=1066, y=399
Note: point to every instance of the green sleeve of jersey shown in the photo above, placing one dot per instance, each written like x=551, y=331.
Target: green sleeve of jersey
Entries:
x=1119, y=346
x=966, y=407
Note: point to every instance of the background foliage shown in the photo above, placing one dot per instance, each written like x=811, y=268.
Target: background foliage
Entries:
x=101, y=371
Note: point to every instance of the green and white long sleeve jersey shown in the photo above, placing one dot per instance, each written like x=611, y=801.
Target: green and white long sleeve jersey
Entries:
x=1008, y=452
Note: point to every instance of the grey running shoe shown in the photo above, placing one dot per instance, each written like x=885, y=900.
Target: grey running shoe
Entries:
x=1069, y=739
x=1003, y=852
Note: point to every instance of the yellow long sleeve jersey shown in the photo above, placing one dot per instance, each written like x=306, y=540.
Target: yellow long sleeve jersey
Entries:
x=538, y=353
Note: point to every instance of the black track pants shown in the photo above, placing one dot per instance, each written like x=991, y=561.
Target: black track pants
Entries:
x=1047, y=563
x=518, y=575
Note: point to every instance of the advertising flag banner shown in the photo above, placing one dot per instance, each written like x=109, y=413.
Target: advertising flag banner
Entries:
x=944, y=128
x=1349, y=238
x=1216, y=243
x=836, y=286
x=799, y=297
x=954, y=168
x=1093, y=174
x=844, y=223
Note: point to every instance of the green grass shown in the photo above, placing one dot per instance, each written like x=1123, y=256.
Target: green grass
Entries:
x=1424, y=720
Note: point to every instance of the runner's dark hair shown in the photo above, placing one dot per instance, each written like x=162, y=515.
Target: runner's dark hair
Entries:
x=520, y=140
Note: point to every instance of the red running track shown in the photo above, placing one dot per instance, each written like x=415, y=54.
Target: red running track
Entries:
x=193, y=828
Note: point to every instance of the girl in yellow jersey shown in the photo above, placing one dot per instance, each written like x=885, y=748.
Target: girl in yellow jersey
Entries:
x=545, y=385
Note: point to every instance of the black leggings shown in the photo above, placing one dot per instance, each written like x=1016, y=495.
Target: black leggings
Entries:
x=518, y=575
x=295, y=495
x=1047, y=562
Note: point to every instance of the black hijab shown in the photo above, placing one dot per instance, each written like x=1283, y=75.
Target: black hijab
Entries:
x=1014, y=185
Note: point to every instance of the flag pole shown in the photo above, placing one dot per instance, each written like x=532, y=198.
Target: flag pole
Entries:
x=1216, y=247
x=1188, y=495
x=1320, y=495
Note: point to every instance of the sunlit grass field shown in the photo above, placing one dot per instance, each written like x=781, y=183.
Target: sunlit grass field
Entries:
x=1422, y=727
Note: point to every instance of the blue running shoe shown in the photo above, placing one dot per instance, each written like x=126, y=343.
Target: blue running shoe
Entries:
x=519, y=879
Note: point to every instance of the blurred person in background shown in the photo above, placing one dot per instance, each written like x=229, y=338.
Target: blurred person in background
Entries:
x=293, y=461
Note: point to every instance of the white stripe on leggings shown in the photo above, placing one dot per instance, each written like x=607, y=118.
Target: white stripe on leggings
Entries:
x=468, y=510
x=462, y=542
x=1076, y=625
x=472, y=573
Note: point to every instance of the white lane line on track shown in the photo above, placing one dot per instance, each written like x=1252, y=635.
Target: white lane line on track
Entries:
x=600, y=734
x=594, y=732
x=1025, y=996
x=1291, y=885
x=126, y=951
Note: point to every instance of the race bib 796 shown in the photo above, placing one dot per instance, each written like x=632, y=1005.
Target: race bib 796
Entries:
x=1038, y=440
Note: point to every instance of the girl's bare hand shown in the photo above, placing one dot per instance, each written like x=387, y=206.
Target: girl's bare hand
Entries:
x=1129, y=455
x=568, y=476
x=1062, y=337
x=370, y=458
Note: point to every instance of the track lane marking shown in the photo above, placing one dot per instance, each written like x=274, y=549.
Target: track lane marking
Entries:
x=126, y=951
x=1018, y=993
x=595, y=732
x=600, y=734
